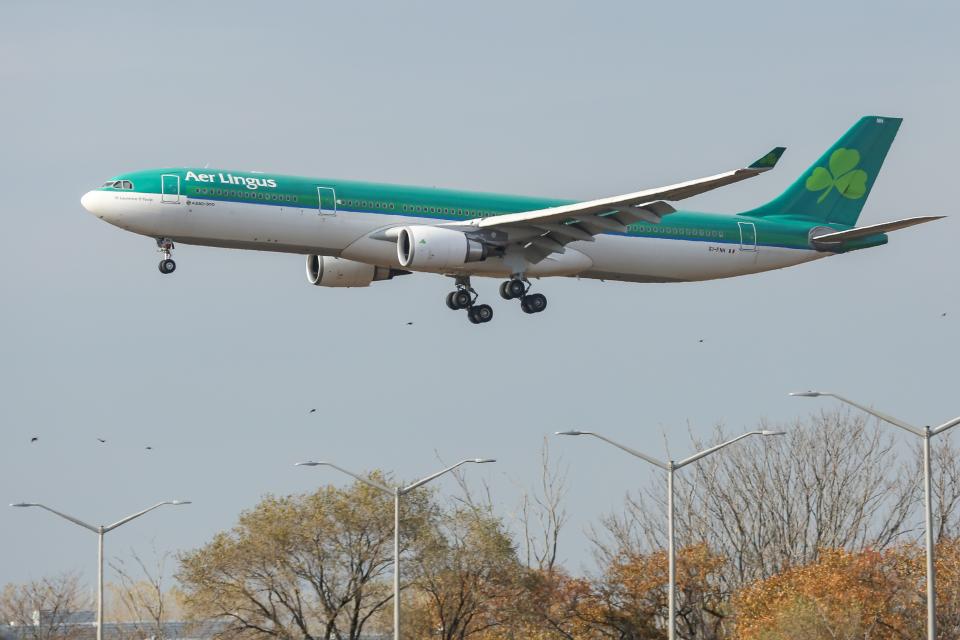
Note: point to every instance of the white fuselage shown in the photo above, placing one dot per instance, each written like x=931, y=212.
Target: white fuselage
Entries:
x=347, y=234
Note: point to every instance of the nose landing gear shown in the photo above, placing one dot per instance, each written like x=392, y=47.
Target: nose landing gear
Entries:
x=165, y=246
x=465, y=297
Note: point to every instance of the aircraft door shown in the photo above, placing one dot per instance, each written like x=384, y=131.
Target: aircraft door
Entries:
x=326, y=201
x=170, y=188
x=748, y=236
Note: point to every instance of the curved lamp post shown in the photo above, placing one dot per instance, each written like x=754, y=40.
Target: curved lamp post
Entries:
x=100, y=530
x=670, y=467
x=926, y=433
x=396, y=492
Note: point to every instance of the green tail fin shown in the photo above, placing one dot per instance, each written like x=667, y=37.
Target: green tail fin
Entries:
x=836, y=187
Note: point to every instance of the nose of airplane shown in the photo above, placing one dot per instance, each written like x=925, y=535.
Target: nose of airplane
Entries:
x=88, y=201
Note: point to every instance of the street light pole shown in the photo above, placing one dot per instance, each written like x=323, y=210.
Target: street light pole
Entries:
x=671, y=467
x=396, y=563
x=926, y=434
x=396, y=492
x=100, y=530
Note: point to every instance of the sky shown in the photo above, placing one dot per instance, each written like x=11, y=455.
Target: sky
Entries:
x=217, y=366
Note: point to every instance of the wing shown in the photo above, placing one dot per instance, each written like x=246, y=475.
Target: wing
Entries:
x=546, y=231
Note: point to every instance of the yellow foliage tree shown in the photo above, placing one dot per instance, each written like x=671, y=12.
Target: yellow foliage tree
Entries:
x=865, y=596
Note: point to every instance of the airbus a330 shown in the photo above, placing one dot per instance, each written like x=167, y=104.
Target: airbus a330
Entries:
x=356, y=233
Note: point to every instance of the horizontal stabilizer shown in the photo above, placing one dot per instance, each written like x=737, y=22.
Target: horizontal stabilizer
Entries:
x=838, y=237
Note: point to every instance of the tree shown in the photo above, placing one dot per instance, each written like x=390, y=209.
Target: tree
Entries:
x=866, y=595
x=767, y=504
x=41, y=608
x=542, y=513
x=142, y=596
x=467, y=569
x=630, y=600
x=842, y=596
x=306, y=566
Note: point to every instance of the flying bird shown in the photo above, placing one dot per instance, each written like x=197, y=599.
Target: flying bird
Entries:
x=409, y=323
x=312, y=411
x=148, y=448
x=101, y=440
x=34, y=439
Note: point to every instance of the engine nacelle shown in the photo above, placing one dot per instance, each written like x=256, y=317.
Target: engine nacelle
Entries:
x=326, y=271
x=426, y=247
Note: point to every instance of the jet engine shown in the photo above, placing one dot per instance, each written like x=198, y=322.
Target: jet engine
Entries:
x=426, y=247
x=327, y=271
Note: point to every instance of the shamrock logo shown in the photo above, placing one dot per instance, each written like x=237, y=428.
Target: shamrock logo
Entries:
x=842, y=175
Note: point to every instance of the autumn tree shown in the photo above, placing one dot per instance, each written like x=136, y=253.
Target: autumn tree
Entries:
x=467, y=570
x=630, y=600
x=41, y=608
x=867, y=595
x=143, y=596
x=767, y=504
x=843, y=595
x=304, y=566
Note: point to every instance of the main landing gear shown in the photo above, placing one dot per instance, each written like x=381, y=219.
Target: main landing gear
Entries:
x=465, y=297
x=520, y=288
x=165, y=246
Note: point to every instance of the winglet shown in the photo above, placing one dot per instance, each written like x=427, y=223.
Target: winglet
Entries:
x=768, y=161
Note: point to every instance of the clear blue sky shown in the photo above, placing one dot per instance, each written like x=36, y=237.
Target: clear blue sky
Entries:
x=217, y=366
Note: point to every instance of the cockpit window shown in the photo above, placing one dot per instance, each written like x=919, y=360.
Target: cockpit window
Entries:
x=127, y=184
x=118, y=184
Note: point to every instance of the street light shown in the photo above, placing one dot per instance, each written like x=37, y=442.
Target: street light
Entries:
x=926, y=433
x=100, y=530
x=670, y=467
x=396, y=492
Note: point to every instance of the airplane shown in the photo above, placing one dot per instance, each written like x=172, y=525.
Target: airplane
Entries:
x=357, y=233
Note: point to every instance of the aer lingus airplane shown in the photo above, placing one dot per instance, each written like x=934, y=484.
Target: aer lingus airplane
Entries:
x=355, y=233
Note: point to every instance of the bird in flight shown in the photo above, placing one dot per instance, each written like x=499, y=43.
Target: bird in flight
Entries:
x=409, y=323
x=34, y=439
x=148, y=448
x=312, y=411
x=101, y=440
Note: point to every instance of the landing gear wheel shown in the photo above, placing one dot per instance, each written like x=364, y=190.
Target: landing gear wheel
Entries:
x=167, y=266
x=483, y=312
x=461, y=298
x=511, y=289
x=450, y=303
x=534, y=303
x=480, y=313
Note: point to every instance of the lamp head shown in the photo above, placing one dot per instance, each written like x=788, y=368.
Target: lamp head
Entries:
x=179, y=502
x=23, y=504
x=571, y=432
x=483, y=460
x=807, y=394
x=309, y=463
x=765, y=432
